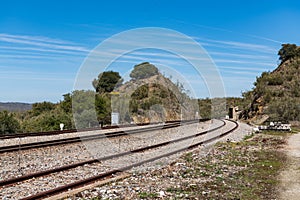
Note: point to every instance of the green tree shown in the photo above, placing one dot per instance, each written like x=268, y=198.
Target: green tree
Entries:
x=83, y=106
x=284, y=109
x=38, y=108
x=107, y=81
x=143, y=70
x=47, y=116
x=288, y=51
x=103, y=108
x=66, y=104
x=8, y=123
x=48, y=121
x=86, y=119
x=205, y=106
x=83, y=100
x=141, y=93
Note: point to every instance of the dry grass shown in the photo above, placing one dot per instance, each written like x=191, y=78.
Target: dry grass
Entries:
x=246, y=170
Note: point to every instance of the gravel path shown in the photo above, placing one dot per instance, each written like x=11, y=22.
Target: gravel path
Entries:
x=290, y=178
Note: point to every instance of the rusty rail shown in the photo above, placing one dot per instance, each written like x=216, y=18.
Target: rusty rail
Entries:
x=27, y=146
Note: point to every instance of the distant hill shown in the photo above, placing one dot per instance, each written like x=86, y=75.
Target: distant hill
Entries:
x=276, y=95
x=15, y=106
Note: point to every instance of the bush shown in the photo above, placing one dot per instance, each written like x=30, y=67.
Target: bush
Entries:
x=284, y=109
x=107, y=81
x=143, y=70
x=274, y=79
x=103, y=108
x=288, y=51
x=39, y=108
x=141, y=92
x=86, y=119
x=8, y=123
x=48, y=121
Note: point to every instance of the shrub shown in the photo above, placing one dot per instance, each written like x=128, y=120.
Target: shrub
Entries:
x=143, y=70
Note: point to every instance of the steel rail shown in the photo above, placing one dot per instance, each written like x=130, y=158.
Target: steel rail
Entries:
x=57, y=132
x=27, y=146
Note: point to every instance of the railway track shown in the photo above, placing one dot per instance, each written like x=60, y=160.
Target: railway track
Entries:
x=27, y=146
x=58, y=132
x=114, y=171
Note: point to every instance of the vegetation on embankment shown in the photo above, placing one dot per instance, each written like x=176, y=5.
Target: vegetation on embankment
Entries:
x=276, y=94
x=243, y=170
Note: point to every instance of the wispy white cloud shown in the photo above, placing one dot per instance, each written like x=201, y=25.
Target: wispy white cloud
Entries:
x=241, y=55
x=241, y=45
x=155, y=61
x=41, y=42
x=37, y=78
x=264, y=38
x=46, y=45
x=244, y=62
x=32, y=50
x=168, y=55
x=35, y=55
x=229, y=31
x=37, y=50
x=247, y=68
x=239, y=72
x=36, y=38
x=229, y=44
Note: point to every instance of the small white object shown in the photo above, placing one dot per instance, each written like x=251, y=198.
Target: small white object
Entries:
x=115, y=118
x=255, y=130
x=161, y=193
x=61, y=125
x=197, y=115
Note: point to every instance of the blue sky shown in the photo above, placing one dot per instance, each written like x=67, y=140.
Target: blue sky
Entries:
x=43, y=43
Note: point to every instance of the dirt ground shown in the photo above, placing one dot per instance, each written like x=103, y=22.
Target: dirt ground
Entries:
x=290, y=177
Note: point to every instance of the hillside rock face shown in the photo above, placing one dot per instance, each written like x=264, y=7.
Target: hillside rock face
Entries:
x=276, y=96
x=152, y=99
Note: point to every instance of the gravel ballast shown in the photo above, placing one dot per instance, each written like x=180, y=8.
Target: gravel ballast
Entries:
x=155, y=181
x=57, y=156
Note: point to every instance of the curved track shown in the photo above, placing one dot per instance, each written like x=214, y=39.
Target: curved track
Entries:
x=109, y=173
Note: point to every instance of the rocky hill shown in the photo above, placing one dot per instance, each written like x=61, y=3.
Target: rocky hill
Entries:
x=151, y=97
x=276, y=95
